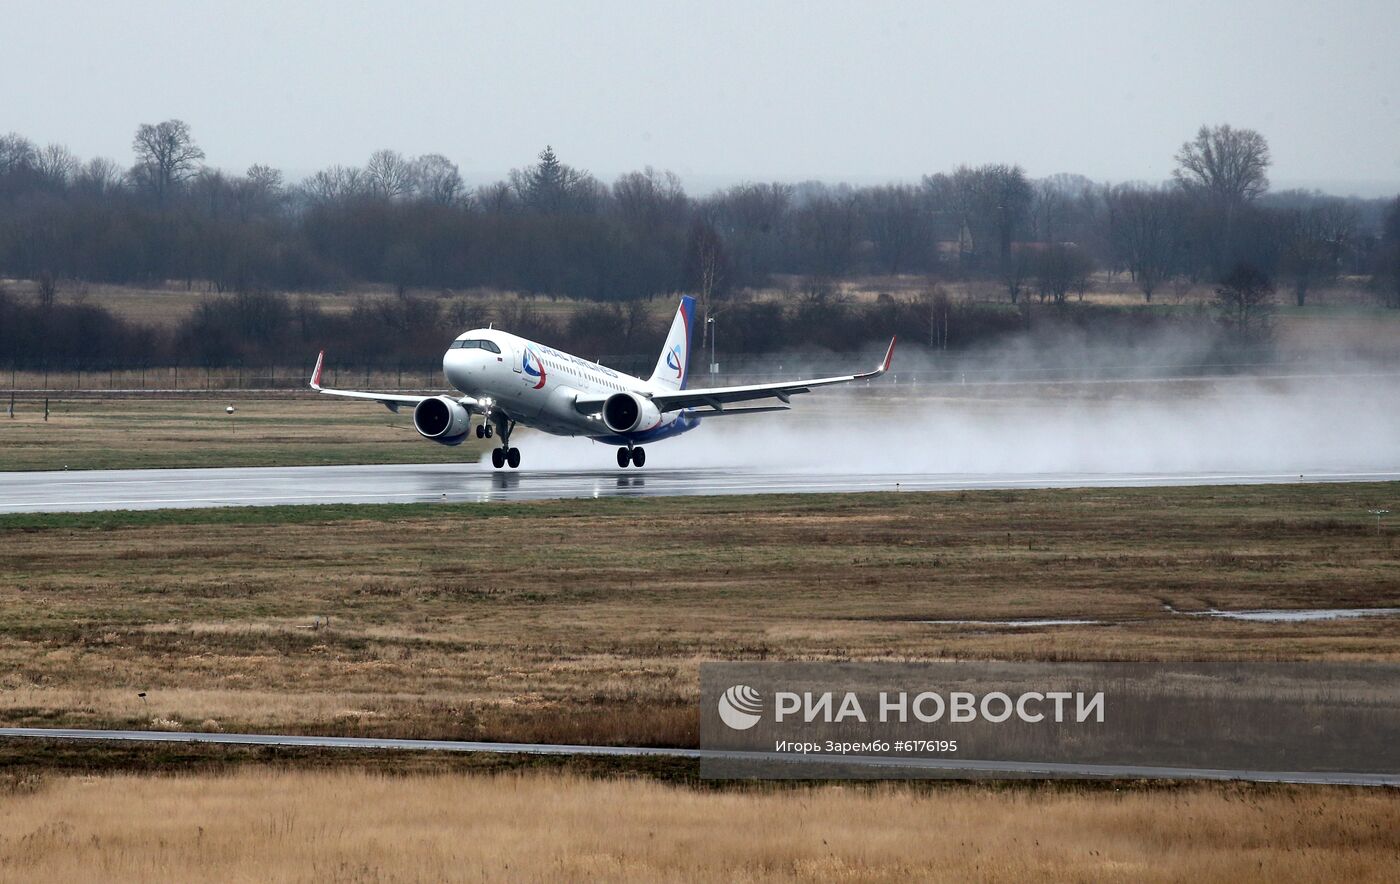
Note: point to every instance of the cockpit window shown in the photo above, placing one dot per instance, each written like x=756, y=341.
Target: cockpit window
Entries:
x=475, y=344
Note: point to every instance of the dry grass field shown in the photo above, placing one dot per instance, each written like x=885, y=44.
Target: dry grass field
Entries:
x=165, y=306
x=95, y=433
x=585, y=621
x=1344, y=310
x=354, y=826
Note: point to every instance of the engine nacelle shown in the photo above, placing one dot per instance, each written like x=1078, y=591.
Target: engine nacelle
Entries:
x=628, y=413
x=442, y=420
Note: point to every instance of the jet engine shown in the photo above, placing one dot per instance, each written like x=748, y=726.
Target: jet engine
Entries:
x=628, y=413
x=442, y=420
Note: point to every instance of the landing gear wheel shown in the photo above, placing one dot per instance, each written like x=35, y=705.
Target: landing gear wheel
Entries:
x=489, y=432
x=513, y=458
x=498, y=458
x=481, y=431
x=639, y=457
x=624, y=457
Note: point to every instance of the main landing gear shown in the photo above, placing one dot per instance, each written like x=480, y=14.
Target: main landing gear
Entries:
x=636, y=456
x=504, y=455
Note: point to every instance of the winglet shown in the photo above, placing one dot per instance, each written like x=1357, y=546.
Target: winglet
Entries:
x=889, y=355
x=880, y=369
x=316, y=374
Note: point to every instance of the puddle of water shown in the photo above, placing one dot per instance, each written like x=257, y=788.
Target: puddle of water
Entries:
x=1019, y=623
x=1285, y=615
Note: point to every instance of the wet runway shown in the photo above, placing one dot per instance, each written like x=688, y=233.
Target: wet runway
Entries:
x=945, y=766
x=35, y=492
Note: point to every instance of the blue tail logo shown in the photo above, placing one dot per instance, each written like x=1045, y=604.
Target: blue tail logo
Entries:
x=670, y=372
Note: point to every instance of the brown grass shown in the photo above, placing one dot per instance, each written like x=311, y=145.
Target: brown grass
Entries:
x=1337, y=316
x=167, y=305
x=586, y=620
x=131, y=434
x=355, y=826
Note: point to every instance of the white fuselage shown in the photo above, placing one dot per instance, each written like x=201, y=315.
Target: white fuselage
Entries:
x=537, y=385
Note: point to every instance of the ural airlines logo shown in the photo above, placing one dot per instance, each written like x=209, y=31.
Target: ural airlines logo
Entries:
x=533, y=366
x=740, y=707
x=673, y=359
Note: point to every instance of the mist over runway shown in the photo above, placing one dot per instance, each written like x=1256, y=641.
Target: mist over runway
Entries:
x=862, y=440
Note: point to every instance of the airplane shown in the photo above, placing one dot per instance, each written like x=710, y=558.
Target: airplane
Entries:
x=509, y=381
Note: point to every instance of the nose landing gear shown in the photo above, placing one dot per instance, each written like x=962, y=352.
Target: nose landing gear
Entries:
x=634, y=455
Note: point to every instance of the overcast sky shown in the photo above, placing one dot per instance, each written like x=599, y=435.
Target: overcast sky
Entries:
x=858, y=91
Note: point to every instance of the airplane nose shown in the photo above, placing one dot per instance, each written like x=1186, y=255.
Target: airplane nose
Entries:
x=456, y=364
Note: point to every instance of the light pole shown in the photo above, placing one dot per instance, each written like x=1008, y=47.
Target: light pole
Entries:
x=714, y=366
x=1378, y=514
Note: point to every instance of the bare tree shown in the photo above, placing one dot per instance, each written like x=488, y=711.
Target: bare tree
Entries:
x=992, y=202
x=1314, y=239
x=265, y=178
x=1015, y=273
x=334, y=184
x=649, y=198
x=47, y=290
x=16, y=152
x=389, y=175
x=437, y=180
x=753, y=209
x=636, y=322
x=56, y=164
x=1245, y=303
x=166, y=156
x=1049, y=206
x=1059, y=268
x=1231, y=165
x=706, y=262
x=1388, y=275
x=936, y=308
x=898, y=224
x=99, y=176
x=495, y=199
x=1144, y=228
x=827, y=230
x=707, y=267
x=260, y=192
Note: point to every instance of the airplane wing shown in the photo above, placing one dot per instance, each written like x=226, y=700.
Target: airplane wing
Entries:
x=391, y=401
x=717, y=397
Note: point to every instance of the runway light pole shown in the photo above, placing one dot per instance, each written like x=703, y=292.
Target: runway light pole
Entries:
x=714, y=366
x=1378, y=514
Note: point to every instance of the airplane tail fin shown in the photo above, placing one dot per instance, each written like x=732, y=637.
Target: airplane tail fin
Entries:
x=672, y=367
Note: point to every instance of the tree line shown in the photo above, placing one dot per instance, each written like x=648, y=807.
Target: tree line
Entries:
x=549, y=228
x=405, y=330
x=553, y=229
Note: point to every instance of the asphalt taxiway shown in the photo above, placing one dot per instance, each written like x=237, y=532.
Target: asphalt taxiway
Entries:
x=80, y=491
